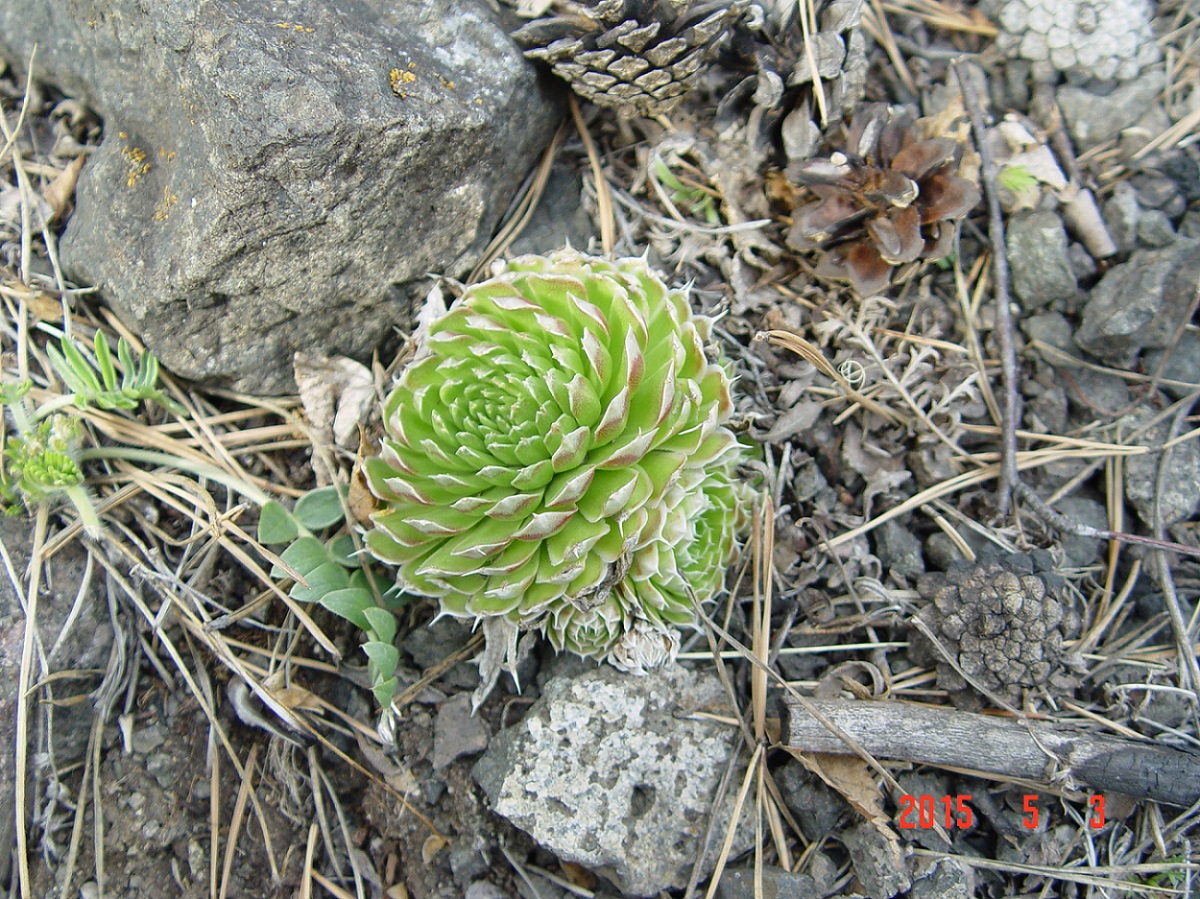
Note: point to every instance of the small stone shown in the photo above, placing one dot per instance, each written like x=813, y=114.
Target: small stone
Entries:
x=1079, y=551
x=1155, y=191
x=1155, y=229
x=943, y=878
x=1093, y=119
x=899, y=550
x=1182, y=365
x=1082, y=262
x=604, y=762
x=1180, y=483
x=739, y=883
x=1140, y=303
x=1094, y=393
x=456, y=732
x=1121, y=213
x=1052, y=328
x=1041, y=268
x=876, y=861
x=816, y=807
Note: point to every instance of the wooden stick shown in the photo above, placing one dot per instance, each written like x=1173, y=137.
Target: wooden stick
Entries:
x=1006, y=747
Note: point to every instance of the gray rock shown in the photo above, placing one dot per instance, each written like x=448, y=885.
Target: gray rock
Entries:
x=1155, y=229
x=603, y=773
x=738, y=883
x=456, y=732
x=269, y=173
x=1095, y=393
x=876, y=860
x=559, y=219
x=1080, y=552
x=899, y=550
x=1052, y=328
x=1180, y=480
x=85, y=645
x=1083, y=264
x=1159, y=192
x=943, y=878
x=1041, y=266
x=1094, y=119
x=1140, y=303
x=816, y=806
x=1182, y=365
x=1121, y=213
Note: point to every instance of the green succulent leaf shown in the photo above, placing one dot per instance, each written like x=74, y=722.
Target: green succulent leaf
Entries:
x=276, y=525
x=343, y=550
x=384, y=691
x=558, y=456
x=320, y=508
x=381, y=623
x=305, y=555
x=384, y=656
x=352, y=603
x=322, y=580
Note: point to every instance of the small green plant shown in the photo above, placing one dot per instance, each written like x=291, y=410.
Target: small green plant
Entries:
x=331, y=575
x=41, y=454
x=1018, y=179
x=689, y=197
x=558, y=461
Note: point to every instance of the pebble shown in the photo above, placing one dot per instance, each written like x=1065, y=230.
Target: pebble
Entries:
x=739, y=883
x=456, y=732
x=1041, y=266
x=876, y=861
x=1155, y=229
x=899, y=550
x=1094, y=119
x=1183, y=364
x=1121, y=213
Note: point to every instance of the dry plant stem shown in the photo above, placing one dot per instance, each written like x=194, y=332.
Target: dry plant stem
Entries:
x=1004, y=324
x=603, y=197
x=522, y=211
x=1005, y=747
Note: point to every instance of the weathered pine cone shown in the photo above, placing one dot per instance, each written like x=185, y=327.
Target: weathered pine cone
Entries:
x=1002, y=619
x=640, y=56
x=889, y=199
x=786, y=69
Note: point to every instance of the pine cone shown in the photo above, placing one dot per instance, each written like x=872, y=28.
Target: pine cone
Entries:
x=640, y=56
x=785, y=68
x=889, y=199
x=1003, y=619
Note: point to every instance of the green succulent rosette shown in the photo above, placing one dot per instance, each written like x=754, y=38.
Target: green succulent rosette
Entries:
x=557, y=455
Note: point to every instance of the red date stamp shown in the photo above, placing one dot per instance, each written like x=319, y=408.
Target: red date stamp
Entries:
x=926, y=812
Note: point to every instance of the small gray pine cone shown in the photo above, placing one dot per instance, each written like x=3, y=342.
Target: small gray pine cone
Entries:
x=1102, y=40
x=639, y=56
x=1003, y=619
x=786, y=67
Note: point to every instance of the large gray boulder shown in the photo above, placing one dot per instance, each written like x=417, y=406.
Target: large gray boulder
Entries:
x=269, y=172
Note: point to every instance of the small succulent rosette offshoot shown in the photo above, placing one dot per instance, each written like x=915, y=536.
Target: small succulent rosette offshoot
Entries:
x=557, y=459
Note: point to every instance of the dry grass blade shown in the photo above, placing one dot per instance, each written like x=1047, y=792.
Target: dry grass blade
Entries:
x=608, y=228
x=235, y=824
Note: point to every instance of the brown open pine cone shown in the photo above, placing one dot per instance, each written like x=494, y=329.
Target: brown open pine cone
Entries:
x=889, y=199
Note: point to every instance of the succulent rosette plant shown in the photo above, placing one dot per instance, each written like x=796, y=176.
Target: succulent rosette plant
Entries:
x=557, y=459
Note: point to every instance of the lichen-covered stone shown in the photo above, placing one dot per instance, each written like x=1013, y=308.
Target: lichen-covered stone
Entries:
x=604, y=771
